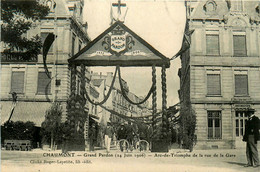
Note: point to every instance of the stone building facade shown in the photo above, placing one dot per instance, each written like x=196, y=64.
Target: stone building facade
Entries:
x=34, y=89
x=220, y=72
x=116, y=101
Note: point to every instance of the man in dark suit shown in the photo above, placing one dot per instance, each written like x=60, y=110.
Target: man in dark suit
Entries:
x=121, y=134
x=92, y=137
x=251, y=136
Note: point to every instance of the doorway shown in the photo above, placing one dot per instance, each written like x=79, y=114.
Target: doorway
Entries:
x=240, y=121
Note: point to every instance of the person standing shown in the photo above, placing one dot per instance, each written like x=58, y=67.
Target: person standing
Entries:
x=150, y=135
x=121, y=134
x=251, y=136
x=92, y=137
x=130, y=134
x=109, y=131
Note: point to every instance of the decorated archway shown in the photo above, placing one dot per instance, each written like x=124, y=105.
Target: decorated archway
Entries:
x=121, y=47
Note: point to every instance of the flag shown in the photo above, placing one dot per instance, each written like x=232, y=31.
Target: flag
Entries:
x=11, y=112
x=46, y=47
x=185, y=41
x=228, y=4
x=112, y=15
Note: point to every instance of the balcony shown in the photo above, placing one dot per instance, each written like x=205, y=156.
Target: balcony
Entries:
x=18, y=57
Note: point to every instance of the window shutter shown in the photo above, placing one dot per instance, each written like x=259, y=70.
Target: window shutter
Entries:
x=212, y=47
x=239, y=42
x=241, y=85
x=44, y=84
x=213, y=84
x=17, y=83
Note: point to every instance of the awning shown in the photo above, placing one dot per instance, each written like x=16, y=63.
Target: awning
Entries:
x=25, y=111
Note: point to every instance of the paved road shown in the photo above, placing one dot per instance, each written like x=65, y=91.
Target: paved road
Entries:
x=175, y=160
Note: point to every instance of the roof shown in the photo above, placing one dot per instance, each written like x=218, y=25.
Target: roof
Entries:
x=118, y=45
x=25, y=111
x=222, y=9
x=97, y=82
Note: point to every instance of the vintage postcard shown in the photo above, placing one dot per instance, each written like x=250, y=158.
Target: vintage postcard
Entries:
x=128, y=85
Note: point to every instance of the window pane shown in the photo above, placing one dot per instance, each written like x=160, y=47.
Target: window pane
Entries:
x=241, y=132
x=217, y=123
x=44, y=84
x=217, y=132
x=239, y=42
x=241, y=85
x=210, y=123
x=237, y=131
x=237, y=124
x=17, y=83
x=212, y=44
x=210, y=132
x=213, y=84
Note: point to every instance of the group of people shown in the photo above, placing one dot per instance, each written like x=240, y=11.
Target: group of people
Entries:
x=129, y=133
x=133, y=135
x=108, y=135
x=125, y=131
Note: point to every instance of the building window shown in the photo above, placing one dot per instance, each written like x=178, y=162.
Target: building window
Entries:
x=212, y=44
x=241, y=84
x=43, y=37
x=239, y=43
x=17, y=83
x=214, y=125
x=241, y=118
x=210, y=7
x=44, y=84
x=73, y=45
x=213, y=84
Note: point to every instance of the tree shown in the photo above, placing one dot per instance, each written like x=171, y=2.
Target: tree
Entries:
x=17, y=130
x=188, y=126
x=18, y=17
x=51, y=127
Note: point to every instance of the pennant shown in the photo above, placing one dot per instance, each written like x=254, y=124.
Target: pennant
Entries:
x=11, y=112
x=46, y=47
x=185, y=41
x=228, y=4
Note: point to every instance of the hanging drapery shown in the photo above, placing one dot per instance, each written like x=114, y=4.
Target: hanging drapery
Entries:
x=119, y=46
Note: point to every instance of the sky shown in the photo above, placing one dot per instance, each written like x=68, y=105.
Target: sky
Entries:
x=160, y=23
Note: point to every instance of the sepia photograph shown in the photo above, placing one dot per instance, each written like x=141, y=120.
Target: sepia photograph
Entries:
x=130, y=85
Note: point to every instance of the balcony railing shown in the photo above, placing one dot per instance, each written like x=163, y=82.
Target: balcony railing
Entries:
x=18, y=57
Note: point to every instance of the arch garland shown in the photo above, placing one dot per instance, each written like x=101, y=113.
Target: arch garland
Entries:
x=121, y=47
